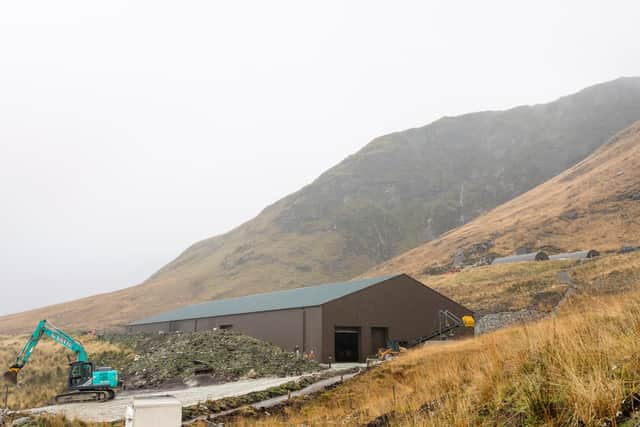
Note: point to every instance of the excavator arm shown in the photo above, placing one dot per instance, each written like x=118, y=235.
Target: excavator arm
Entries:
x=57, y=335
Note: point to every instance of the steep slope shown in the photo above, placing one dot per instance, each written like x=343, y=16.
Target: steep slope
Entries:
x=397, y=192
x=594, y=204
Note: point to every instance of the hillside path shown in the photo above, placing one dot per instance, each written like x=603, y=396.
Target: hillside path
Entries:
x=115, y=409
x=565, y=278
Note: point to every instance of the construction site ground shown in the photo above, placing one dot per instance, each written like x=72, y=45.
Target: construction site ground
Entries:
x=114, y=410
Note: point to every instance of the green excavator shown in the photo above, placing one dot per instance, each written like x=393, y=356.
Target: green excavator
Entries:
x=85, y=383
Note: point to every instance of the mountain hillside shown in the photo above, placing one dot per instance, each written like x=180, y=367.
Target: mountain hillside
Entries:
x=399, y=191
x=594, y=204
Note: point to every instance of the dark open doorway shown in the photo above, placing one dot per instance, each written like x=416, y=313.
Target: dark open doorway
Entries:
x=347, y=344
x=378, y=339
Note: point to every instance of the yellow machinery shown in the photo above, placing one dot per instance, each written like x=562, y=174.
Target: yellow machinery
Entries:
x=447, y=323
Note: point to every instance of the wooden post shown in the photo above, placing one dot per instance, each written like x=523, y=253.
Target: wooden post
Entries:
x=394, y=395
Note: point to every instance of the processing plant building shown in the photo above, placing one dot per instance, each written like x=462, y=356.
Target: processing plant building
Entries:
x=341, y=322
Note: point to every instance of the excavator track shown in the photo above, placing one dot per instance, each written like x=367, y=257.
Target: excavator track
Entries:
x=85, y=396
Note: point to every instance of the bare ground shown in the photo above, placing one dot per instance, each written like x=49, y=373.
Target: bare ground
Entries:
x=115, y=409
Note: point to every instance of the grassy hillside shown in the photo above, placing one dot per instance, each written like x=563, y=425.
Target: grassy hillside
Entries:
x=573, y=369
x=511, y=293
x=500, y=376
x=397, y=192
x=594, y=204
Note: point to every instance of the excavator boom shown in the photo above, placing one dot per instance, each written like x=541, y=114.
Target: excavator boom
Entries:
x=43, y=328
x=84, y=383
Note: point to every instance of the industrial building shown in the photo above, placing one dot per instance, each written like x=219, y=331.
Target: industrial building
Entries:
x=341, y=322
x=533, y=256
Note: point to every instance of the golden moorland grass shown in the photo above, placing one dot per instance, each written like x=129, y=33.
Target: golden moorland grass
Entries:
x=537, y=286
x=562, y=370
x=611, y=274
x=46, y=373
x=566, y=370
x=505, y=287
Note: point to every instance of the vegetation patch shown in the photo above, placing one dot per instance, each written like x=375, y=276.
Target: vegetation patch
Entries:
x=212, y=407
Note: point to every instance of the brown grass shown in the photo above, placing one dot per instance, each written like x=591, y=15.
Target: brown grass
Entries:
x=611, y=274
x=45, y=375
x=504, y=287
x=560, y=371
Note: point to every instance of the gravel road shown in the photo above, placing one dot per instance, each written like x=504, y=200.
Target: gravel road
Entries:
x=114, y=409
x=269, y=403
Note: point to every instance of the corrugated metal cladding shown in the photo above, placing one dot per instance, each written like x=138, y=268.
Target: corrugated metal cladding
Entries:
x=280, y=300
x=592, y=253
x=339, y=322
x=533, y=256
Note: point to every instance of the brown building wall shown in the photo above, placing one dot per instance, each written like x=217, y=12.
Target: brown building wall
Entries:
x=403, y=305
x=283, y=328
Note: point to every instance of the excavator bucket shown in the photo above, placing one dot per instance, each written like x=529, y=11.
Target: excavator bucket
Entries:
x=12, y=375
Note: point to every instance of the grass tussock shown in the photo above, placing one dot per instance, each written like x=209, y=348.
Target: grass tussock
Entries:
x=571, y=370
x=610, y=274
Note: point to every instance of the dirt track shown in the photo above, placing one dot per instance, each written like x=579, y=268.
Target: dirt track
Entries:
x=115, y=409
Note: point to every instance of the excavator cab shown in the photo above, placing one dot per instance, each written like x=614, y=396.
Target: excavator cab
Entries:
x=80, y=374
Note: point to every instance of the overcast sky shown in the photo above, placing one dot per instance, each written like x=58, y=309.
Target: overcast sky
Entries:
x=130, y=130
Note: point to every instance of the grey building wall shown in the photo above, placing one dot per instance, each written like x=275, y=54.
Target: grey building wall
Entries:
x=182, y=325
x=149, y=328
x=402, y=304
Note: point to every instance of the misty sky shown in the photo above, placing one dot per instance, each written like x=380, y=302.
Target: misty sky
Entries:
x=129, y=130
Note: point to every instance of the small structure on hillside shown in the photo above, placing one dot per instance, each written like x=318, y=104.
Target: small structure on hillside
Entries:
x=533, y=256
x=580, y=255
x=628, y=249
x=339, y=322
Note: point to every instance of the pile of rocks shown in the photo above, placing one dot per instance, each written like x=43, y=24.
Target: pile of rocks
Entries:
x=161, y=360
x=493, y=321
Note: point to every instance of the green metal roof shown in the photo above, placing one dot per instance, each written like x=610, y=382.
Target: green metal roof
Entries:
x=280, y=300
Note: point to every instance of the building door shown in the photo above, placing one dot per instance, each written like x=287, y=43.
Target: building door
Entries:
x=378, y=339
x=347, y=345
